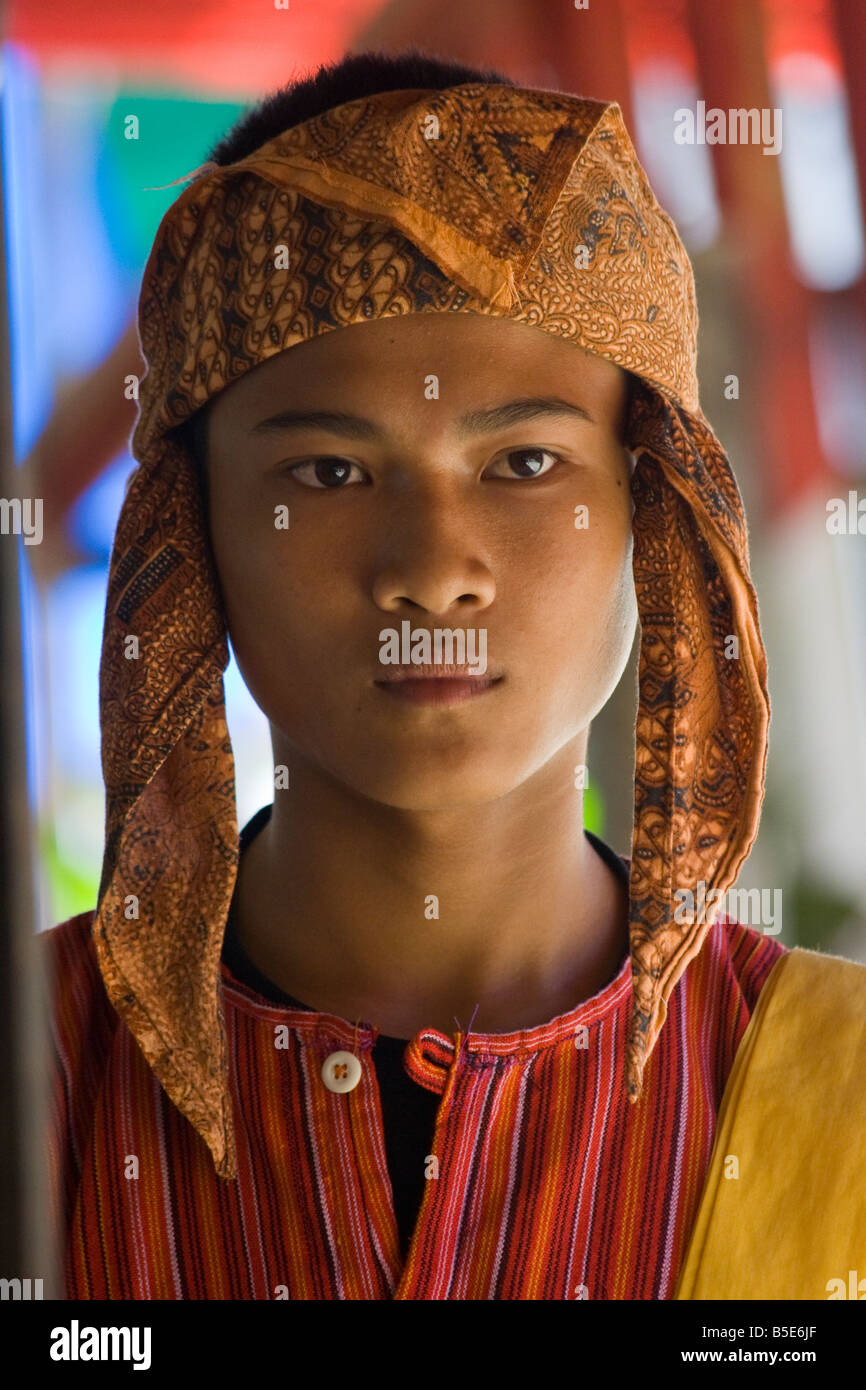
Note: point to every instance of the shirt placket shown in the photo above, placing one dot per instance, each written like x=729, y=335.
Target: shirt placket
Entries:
x=441, y=1064
x=431, y=1059
x=348, y=1163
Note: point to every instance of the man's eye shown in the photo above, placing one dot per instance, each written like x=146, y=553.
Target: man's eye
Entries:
x=530, y=462
x=333, y=473
x=326, y=472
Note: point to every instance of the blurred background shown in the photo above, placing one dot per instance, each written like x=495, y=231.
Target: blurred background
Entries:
x=777, y=242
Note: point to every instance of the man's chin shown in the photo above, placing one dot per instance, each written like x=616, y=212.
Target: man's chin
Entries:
x=432, y=789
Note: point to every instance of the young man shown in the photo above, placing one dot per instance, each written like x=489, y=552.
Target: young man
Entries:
x=420, y=434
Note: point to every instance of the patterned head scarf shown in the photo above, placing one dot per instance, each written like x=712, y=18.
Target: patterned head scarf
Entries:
x=484, y=199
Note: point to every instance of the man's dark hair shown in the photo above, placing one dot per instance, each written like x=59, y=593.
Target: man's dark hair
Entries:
x=356, y=75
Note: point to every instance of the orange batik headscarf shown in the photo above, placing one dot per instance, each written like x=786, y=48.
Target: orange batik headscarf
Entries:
x=479, y=199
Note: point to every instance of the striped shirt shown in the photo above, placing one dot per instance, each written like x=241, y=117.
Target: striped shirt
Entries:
x=408, y=1109
x=542, y=1181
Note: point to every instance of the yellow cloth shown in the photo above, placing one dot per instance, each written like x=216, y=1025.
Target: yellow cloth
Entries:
x=793, y=1123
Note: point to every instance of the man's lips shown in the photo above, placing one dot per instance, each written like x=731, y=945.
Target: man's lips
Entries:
x=435, y=689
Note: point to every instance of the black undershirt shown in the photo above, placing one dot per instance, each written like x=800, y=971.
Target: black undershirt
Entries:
x=408, y=1110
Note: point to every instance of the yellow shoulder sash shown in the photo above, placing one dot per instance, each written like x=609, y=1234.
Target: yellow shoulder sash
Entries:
x=783, y=1211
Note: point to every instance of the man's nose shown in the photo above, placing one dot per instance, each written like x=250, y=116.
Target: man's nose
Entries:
x=432, y=555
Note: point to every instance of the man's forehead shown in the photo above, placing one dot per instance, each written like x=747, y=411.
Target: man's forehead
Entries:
x=450, y=351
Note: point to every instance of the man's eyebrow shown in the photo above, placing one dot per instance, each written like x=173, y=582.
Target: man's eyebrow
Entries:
x=474, y=422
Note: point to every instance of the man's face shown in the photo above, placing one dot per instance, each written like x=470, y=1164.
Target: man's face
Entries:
x=415, y=517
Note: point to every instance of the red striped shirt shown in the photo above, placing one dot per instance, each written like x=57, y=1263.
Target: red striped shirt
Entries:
x=550, y=1184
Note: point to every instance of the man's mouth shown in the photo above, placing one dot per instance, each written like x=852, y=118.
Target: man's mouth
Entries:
x=439, y=685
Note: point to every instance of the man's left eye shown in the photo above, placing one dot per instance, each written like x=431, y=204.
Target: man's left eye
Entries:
x=530, y=461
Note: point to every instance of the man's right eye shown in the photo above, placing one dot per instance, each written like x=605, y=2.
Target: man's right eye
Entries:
x=327, y=472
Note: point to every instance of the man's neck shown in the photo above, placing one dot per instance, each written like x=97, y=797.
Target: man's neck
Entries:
x=409, y=919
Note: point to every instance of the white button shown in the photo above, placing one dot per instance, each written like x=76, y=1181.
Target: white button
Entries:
x=341, y=1071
